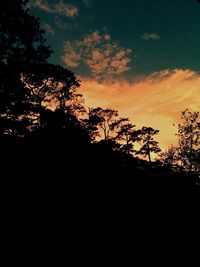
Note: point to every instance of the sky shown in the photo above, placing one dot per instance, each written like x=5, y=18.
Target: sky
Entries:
x=141, y=57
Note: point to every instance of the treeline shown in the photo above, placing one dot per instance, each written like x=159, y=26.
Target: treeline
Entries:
x=44, y=124
x=60, y=161
x=38, y=98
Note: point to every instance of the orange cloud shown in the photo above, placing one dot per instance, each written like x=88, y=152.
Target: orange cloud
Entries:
x=60, y=8
x=103, y=57
x=155, y=101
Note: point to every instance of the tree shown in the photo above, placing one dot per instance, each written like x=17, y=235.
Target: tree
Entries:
x=106, y=121
x=127, y=136
x=170, y=158
x=29, y=85
x=148, y=144
x=189, y=140
x=52, y=86
x=22, y=44
x=185, y=155
x=90, y=124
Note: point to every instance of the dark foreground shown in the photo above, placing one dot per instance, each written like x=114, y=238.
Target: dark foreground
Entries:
x=60, y=206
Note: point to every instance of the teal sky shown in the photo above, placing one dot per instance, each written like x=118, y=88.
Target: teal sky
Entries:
x=161, y=34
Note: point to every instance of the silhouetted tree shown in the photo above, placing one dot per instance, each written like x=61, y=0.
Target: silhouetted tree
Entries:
x=127, y=136
x=90, y=124
x=148, y=144
x=170, y=158
x=64, y=92
x=106, y=121
x=189, y=140
x=54, y=87
x=186, y=155
x=21, y=44
x=29, y=84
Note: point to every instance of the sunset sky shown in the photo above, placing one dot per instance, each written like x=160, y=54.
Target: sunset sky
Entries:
x=141, y=57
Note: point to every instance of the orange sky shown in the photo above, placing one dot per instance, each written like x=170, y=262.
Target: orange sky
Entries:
x=155, y=101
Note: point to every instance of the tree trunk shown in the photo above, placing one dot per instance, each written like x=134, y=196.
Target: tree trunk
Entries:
x=149, y=156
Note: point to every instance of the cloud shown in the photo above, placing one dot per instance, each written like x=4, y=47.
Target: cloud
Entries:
x=41, y=4
x=99, y=53
x=151, y=36
x=60, y=8
x=48, y=28
x=71, y=57
x=66, y=9
x=156, y=100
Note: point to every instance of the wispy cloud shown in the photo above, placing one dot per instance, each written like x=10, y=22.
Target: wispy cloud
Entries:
x=60, y=8
x=155, y=101
x=48, y=28
x=40, y=4
x=66, y=9
x=151, y=37
x=104, y=57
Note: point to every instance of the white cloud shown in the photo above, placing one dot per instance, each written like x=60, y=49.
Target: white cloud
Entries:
x=99, y=53
x=151, y=36
x=60, y=8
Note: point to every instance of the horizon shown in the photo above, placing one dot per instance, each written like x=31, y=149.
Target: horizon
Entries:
x=141, y=58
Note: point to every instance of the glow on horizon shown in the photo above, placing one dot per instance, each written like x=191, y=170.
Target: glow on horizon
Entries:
x=155, y=101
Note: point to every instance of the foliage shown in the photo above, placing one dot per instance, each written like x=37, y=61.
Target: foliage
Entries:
x=106, y=121
x=21, y=44
x=29, y=84
x=148, y=144
x=186, y=155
